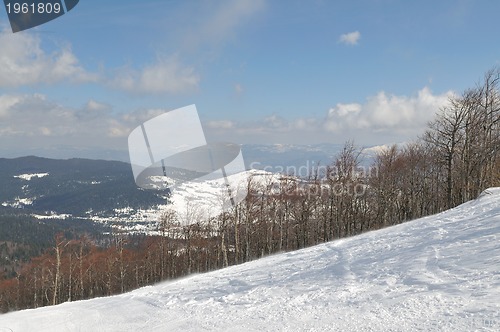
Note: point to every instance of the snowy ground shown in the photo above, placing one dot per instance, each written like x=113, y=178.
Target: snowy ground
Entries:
x=440, y=273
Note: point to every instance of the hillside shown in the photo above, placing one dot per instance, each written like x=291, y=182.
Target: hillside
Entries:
x=435, y=273
x=41, y=197
x=95, y=190
x=79, y=187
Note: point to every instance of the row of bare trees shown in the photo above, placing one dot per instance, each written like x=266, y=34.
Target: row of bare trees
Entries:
x=456, y=158
x=465, y=137
x=79, y=269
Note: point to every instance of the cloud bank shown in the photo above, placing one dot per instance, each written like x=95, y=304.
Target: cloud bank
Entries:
x=385, y=112
x=24, y=62
x=380, y=119
x=34, y=121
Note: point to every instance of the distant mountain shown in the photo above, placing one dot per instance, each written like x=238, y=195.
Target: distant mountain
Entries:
x=266, y=154
x=75, y=186
x=274, y=157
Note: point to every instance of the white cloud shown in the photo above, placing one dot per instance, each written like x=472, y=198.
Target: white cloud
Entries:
x=385, y=112
x=30, y=114
x=33, y=121
x=66, y=66
x=350, y=38
x=118, y=129
x=271, y=129
x=380, y=119
x=24, y=62
x=166, y=75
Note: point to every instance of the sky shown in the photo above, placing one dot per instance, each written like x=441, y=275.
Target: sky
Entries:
x=258, y=71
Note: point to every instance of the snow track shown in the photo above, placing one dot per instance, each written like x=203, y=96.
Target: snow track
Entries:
x=440, y=273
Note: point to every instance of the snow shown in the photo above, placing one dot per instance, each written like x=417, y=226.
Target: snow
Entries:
x=51, y=216
x=192, y=201
x=204, y=199
x=439, y=273
x=379, y=149
x=28, y=177
x=19, y=203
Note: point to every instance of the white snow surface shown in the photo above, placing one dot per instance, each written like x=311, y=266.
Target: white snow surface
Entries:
x=197, y=200
x=51, y=216
x=439, y=273
x=19, y=203
x=28, y=177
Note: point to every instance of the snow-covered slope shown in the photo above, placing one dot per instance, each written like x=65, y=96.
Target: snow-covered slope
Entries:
x=204, y=199
x=440, y=273
x=192, y=201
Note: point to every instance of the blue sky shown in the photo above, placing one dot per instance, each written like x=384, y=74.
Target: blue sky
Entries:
x=298, y=72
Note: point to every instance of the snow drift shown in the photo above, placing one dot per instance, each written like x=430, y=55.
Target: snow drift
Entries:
x=437, y=273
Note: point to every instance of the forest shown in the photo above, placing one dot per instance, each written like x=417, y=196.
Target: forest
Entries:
x=453, y=161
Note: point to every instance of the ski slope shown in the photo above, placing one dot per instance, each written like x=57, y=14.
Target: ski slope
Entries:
x=440, y=273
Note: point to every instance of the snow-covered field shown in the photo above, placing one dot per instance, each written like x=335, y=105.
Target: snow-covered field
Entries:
x=192, y=201
x=206, y=198
x=440, y=273
x=28, y=176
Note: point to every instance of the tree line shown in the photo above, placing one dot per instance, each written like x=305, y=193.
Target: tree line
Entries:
x=453, y=161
